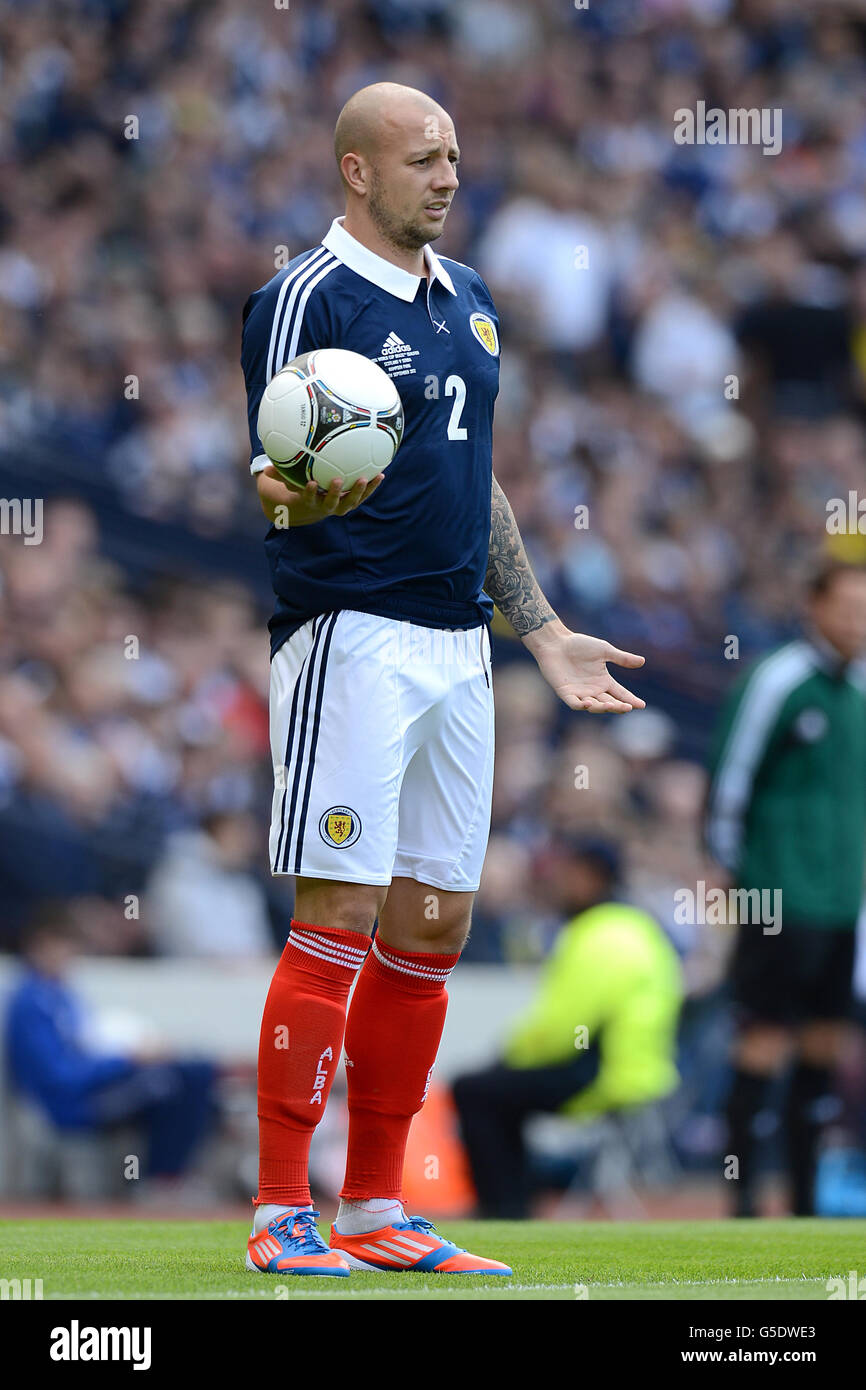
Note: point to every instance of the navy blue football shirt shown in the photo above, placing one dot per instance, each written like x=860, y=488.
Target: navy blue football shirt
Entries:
x=418, y=548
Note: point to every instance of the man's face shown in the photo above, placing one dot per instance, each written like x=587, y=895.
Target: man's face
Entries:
x=413, y=179
x=578, y=882
x=53, y=955
x=839, y=614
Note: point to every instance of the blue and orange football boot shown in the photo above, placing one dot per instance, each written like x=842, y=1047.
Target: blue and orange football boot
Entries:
x=291, y=1244
x=410, y=1247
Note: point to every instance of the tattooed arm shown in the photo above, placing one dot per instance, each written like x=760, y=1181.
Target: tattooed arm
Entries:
x=573, y=663
x=510, y=581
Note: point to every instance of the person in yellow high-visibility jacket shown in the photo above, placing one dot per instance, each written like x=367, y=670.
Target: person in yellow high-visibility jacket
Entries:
x=599, y=1036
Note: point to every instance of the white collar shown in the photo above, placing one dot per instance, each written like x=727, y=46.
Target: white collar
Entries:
x=383, y=273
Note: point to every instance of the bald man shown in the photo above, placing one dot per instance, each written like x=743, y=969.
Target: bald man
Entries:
x=381, y=698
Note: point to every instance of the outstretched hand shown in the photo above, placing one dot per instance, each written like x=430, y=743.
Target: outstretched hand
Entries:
x=575, y=666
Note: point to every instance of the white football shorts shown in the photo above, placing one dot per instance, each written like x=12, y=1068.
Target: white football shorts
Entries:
x=382, y=743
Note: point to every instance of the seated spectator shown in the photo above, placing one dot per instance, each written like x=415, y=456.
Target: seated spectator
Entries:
x=599, y=1036
x=202, y=899
x=79, y=1088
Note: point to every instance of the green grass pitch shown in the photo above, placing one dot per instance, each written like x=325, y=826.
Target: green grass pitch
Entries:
x=143, y=1259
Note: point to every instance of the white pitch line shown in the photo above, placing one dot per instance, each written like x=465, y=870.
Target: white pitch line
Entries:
x=713, y=1283
x=533, y=1288
x=450, y=1289
x=300, y=1292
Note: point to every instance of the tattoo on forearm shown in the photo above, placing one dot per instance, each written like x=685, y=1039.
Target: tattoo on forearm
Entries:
x=510, y=581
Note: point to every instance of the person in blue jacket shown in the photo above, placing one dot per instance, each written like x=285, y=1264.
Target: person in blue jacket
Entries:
x=78, y=1088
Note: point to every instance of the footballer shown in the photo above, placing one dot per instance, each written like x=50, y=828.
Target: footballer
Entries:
x=381, y=703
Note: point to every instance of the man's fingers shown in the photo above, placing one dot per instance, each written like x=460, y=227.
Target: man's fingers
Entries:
x=589, y=704
x=622, y=658
x=619, y=692
x=350, y=499
x=331, y=500
x=362, y=490
x=371, y=487
x=603, y=704
x=359, y=493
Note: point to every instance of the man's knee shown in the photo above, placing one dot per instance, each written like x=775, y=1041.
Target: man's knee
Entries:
x=331, y=903
x=417, y=917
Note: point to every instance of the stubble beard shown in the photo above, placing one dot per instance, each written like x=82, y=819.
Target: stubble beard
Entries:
x=403, y=236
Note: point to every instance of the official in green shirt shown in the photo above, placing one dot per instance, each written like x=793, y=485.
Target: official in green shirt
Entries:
x=599, y=1035
x=786, y=815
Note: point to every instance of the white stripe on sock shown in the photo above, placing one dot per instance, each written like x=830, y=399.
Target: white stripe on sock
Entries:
x=353, y=965
x=393, y=959
x=319, y=939
x=324, y=943
x=418, y=971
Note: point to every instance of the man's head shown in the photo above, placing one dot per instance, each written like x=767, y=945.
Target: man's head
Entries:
x=584, y=871
x=836, y=606
x=397, y=155
x=51, y=941
x=234, y=835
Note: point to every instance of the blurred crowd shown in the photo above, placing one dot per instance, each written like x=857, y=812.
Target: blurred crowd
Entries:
x=683, y=389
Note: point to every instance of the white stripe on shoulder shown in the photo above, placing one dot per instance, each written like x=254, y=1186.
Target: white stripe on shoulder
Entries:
x=283, y=311
x=281, y=297
x=768, y=687
x=292, y=350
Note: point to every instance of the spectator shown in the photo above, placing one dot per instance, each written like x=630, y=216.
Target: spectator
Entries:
x=201, y=899
x=599, y=1036
x=81, y=1089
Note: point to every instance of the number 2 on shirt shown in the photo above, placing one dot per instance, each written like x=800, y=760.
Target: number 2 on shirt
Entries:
x=455, y=386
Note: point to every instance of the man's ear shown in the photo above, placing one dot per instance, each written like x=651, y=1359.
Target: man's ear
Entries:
x=356, y=173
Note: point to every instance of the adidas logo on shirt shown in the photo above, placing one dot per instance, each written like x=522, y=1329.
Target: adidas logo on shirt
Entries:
x=396, y=356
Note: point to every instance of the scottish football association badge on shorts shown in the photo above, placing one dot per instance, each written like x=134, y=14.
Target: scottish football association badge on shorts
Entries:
x=340, y=827
x=485, y=331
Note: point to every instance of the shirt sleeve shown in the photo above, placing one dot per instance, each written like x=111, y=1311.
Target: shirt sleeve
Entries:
x=53, y=1066
x=482, y=289
x=289, y=316
x=748, y=726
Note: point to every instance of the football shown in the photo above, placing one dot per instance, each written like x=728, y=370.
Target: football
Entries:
x=330, y=414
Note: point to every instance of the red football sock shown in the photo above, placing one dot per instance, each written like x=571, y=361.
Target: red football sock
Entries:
x=392, y=1037
x=299, y=1049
